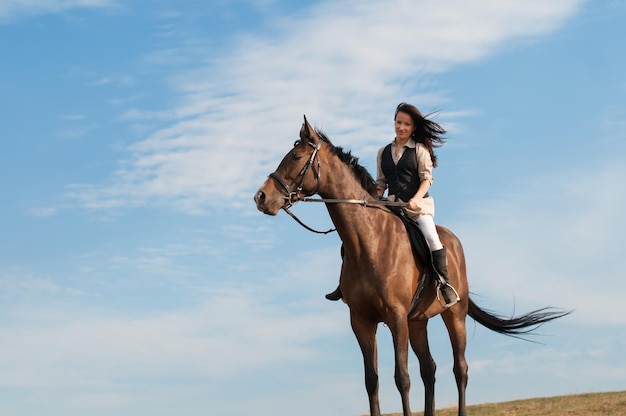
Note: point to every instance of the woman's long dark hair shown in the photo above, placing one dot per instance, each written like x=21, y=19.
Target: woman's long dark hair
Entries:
x=427, y=132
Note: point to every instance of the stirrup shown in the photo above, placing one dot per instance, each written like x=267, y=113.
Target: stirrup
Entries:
x=447, y=300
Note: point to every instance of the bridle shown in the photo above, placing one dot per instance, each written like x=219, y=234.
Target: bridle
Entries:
x=293, y=196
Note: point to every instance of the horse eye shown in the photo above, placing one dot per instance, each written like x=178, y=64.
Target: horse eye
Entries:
x=296, y=156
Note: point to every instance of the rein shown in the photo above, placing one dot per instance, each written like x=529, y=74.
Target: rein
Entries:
x=299, y=221
x=362, y=202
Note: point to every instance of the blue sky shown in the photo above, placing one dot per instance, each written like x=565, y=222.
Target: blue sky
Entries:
x=137, y=277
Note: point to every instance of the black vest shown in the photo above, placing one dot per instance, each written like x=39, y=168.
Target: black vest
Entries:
x=402, y=179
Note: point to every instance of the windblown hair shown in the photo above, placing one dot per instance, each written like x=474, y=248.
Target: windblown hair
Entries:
x=361, y=173
x=427, y=132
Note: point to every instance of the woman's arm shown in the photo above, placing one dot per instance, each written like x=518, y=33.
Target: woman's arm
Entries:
x=414, y=202
x=381, y=181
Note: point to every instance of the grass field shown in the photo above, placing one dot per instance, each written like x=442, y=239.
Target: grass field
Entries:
x=590, y=404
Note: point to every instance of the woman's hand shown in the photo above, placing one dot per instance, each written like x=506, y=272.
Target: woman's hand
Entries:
x=414, y=204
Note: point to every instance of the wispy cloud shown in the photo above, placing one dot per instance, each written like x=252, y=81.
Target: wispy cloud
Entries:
x=124, y=80
x=233, y=117
x=25, y=285
x=12, y=10
x=44, y=211
x=76, y=131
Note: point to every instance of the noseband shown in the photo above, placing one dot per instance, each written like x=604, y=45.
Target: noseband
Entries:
x=294, y=196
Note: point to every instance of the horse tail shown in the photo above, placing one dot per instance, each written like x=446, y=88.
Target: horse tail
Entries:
x=516, y=325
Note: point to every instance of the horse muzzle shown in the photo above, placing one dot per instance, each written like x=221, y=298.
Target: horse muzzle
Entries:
x=269, y=202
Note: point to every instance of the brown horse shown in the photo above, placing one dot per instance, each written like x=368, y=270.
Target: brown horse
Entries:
x=379, y=274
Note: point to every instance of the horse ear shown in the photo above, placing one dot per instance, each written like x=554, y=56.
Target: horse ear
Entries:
x=307, y=132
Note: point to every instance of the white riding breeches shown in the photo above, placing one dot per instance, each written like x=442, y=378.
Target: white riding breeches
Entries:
x=427, y=226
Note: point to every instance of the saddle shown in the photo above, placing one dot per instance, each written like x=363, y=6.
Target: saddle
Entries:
x=421, y=253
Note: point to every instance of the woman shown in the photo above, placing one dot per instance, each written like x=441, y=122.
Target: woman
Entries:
x=405, y=167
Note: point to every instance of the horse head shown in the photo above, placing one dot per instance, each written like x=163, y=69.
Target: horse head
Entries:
x=297, y=175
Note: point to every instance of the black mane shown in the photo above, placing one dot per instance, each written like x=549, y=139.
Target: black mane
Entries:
x=361, y=174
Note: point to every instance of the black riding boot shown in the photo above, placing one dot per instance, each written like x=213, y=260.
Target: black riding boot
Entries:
x=335, y=295
x=449, y=294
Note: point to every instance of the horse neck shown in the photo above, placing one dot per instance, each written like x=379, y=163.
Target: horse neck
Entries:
x=339, y=182
x=353, y=221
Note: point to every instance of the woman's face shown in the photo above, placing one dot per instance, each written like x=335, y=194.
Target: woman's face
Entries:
x=404, y=126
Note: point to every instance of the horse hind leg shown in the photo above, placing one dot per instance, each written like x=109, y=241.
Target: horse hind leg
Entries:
x=365, y=332
x=455, y=325
x=418, y=334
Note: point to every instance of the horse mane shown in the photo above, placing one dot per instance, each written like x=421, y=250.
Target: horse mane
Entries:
x=360, y=172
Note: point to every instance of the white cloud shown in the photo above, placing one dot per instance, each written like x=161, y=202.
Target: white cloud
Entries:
x=44, y=211
x=14, y=9
x=239, y=114
x=25, y=284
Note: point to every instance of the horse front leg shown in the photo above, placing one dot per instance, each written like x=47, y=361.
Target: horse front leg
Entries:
x=365, y=332
x=400, y=332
